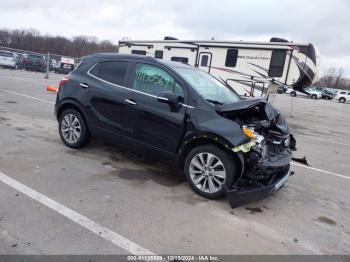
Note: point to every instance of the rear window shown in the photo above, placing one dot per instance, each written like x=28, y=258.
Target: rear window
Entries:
x=180, y=59
x=138, y=52
x=113, y=71
x=35, y=58
x=278, y=58
x=5, y=54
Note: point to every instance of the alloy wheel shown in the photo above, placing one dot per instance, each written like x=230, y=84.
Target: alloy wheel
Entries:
x=70, y=128
x=207, y=172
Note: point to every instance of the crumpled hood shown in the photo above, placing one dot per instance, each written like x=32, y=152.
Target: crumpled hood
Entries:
x=244, y=106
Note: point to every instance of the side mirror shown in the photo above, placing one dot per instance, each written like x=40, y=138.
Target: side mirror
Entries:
x=170, y=98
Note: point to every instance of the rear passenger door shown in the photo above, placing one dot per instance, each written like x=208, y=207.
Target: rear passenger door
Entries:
x=150, y=122
x=107, y=92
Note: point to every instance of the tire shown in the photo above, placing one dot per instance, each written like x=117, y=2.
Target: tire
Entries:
x=313, y=96
x=342, y=100
x=221, y=161
x=293, y=94
x=73, y=129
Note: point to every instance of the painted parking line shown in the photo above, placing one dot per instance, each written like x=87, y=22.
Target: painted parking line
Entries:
x=27, y=96
x=320, y=170
x=89, y=224
x=323, y=140
x=43, y=81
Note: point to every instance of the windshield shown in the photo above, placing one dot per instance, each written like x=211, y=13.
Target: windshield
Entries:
x=208, y=87
x=4, y=54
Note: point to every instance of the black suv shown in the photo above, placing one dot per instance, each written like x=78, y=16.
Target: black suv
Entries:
x=223, y=143
x=35, y=63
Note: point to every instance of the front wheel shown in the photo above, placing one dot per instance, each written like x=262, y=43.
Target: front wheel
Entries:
x=208, y=169
x=73, y=129
x=342, y=100
x=313, y=96
x=293, y=94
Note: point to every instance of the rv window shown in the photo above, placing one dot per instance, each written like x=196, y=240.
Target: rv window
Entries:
x=138, y=52
x=158, y=54
x=113, y=71
x=204, y=61
x=180, y=59
x=152, y=80
x=278, y=58
x=231, y=57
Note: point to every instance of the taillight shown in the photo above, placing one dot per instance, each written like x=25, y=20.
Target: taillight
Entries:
x=63, y=81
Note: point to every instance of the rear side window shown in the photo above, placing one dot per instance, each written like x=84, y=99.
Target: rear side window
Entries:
x=231, y=57
x=158, y=54
x=278, y=59
x=138, y=52
x=349, y=94
x=113, y=71
x=95, y=69
x=180, y=59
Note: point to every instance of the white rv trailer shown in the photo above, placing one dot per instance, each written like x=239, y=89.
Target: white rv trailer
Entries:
x=250, y=68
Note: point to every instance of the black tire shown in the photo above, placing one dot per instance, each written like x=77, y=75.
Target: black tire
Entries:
x=342, y=100
x=293, y=94
x=229, y=165
x=84, y=137
x=313, y=96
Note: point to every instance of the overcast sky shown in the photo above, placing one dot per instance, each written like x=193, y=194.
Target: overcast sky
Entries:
x=323, y=23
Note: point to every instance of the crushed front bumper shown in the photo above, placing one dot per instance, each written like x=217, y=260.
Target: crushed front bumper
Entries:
x=245, y=195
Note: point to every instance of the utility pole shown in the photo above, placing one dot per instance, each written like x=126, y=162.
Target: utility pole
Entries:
x=47, y=65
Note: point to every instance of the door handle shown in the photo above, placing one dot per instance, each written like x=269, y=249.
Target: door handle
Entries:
x=130, y=102
x=83, y=85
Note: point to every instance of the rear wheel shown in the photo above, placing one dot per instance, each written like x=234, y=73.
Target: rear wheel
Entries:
x=342, y=100
x=73, y=129
x=208, y=169
x=313, y=96
x=293, y=94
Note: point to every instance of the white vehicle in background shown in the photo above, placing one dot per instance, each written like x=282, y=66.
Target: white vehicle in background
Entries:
x=342, y=96
x=65, y=65
x=250, y=68
x=8, y=59
x=305, y=92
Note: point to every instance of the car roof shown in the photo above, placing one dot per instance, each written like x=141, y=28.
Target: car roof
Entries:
x=171, y=64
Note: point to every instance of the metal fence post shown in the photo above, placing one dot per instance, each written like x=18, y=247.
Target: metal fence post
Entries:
x=47, y=65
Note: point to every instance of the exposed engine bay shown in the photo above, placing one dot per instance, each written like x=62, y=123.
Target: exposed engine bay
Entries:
x=270, y=150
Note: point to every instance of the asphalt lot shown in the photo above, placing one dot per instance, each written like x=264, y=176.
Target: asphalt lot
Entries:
x=120, y=200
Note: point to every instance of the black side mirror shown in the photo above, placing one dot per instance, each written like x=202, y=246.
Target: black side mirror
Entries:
x=170, y=98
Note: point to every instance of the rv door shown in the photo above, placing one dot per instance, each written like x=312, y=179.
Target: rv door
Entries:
x=204, y=61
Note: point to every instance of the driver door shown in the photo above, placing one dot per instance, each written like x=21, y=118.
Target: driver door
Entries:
x=147, y=121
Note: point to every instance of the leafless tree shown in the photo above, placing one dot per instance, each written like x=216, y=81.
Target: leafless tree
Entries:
x=33, y=40
x=333, y=78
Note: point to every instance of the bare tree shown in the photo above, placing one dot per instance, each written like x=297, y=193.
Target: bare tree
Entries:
x=333, y=78
x=33, y=40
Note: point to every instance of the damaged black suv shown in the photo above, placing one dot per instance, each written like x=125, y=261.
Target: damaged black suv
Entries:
x=225, y=145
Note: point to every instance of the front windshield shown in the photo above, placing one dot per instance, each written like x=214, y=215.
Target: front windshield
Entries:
x=208, y=87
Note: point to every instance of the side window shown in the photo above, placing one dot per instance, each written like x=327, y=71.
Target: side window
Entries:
x=342, y=93
x=152, y=80
x=349, y=94
x=95, y=69
x=158, y=54
x=278, y=58
x=231, y=57
x=204, y=61
x=113, y=71
x=180, y=59
x=138, y=52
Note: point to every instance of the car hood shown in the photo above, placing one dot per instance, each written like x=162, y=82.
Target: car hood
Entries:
x=247, y=108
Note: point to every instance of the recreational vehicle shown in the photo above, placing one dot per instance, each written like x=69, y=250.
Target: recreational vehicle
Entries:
x=250, y=68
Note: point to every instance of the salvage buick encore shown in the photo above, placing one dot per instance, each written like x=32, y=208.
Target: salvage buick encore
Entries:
x=225, y=145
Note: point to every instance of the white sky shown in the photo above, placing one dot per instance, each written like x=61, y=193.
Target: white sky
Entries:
x=323, y=23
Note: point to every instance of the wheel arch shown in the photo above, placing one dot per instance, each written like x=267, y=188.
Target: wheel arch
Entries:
x=203, y=139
